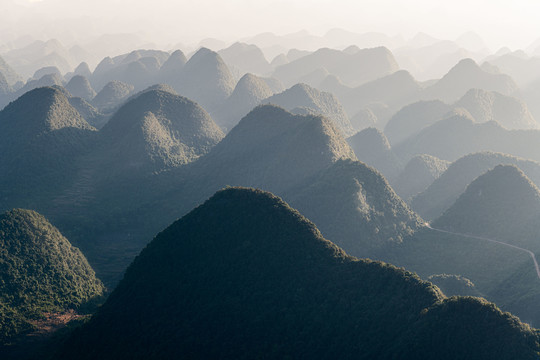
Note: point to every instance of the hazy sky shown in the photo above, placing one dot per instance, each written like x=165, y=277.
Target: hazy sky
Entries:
x=500, y=22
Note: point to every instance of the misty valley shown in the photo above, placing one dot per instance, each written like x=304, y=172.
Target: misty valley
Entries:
x=257, y=200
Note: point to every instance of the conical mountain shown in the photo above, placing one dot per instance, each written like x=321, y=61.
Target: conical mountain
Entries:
x=372, y=147
x=171, y=69
x=112, y=95
x=79, y=86
x=5, y=91
x=508, y=111
x=47, y=70
x=155, y=131
x=419, y=173
x=274, y=150
x=244, y=276
x=248, y=93
x=413, y=118
x=502, y=204
x=444, y=191
x=326, y=104
x=247, y=58
x=84, y=70
x=354, y=206
x=206, y=79
x=468, y=75
x=40, y=271
x=41, y=135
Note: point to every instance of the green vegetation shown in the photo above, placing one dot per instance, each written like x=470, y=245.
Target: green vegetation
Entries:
x=39, y=272
x=245, y=276
x=354, y=207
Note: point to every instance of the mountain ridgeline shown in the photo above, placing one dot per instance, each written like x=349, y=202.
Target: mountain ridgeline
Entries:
x=244, y=276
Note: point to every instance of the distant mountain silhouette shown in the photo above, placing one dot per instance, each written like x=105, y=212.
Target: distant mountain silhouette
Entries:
x=83, y=69
x=395, y=90
x=508, y=111
x=363, y=119
x=79, y=86
x=40, y=272
x=372, y=147
x=47, y=70
x=206, y=79
x=326, y=104
x=445, y=190
x=172, y=67
x=413, y=118
x=248, y=93
x=112, y=95
x=353, y=205
x=458, y=135
x=502, y=204
x=246, y=58
x=356, y=69
x=468, y=75
x=244, y=276
x=419, y=173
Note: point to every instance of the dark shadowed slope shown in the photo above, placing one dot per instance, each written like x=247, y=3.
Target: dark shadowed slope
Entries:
x=41, y=137
x=245, y=276
x=112, y=95
x=353, y=205
x=444, y=191
x=39, y=272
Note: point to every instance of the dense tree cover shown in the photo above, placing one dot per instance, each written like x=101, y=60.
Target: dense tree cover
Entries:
x=419, y=173
x=245, y=276
x=445, y=190
x=355, y=207
x=502, y=204
x=39, y=272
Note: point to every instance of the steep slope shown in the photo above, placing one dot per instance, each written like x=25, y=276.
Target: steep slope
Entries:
x=79, y=86
x=244, y=276
x=508, y=111
x=9, y=73
x=372, y=147
x=444, y=191
x=353, y=206
x=413, y=118
x=502, y=204
x=419, y=173
x=206, y=79
x=92, y=115
x=112, y=95
x=172, y=68
x=248, y=93
x=468, y=75
x=155, y=131
x=41, y=136
x=39, y=272
x=326, y=104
